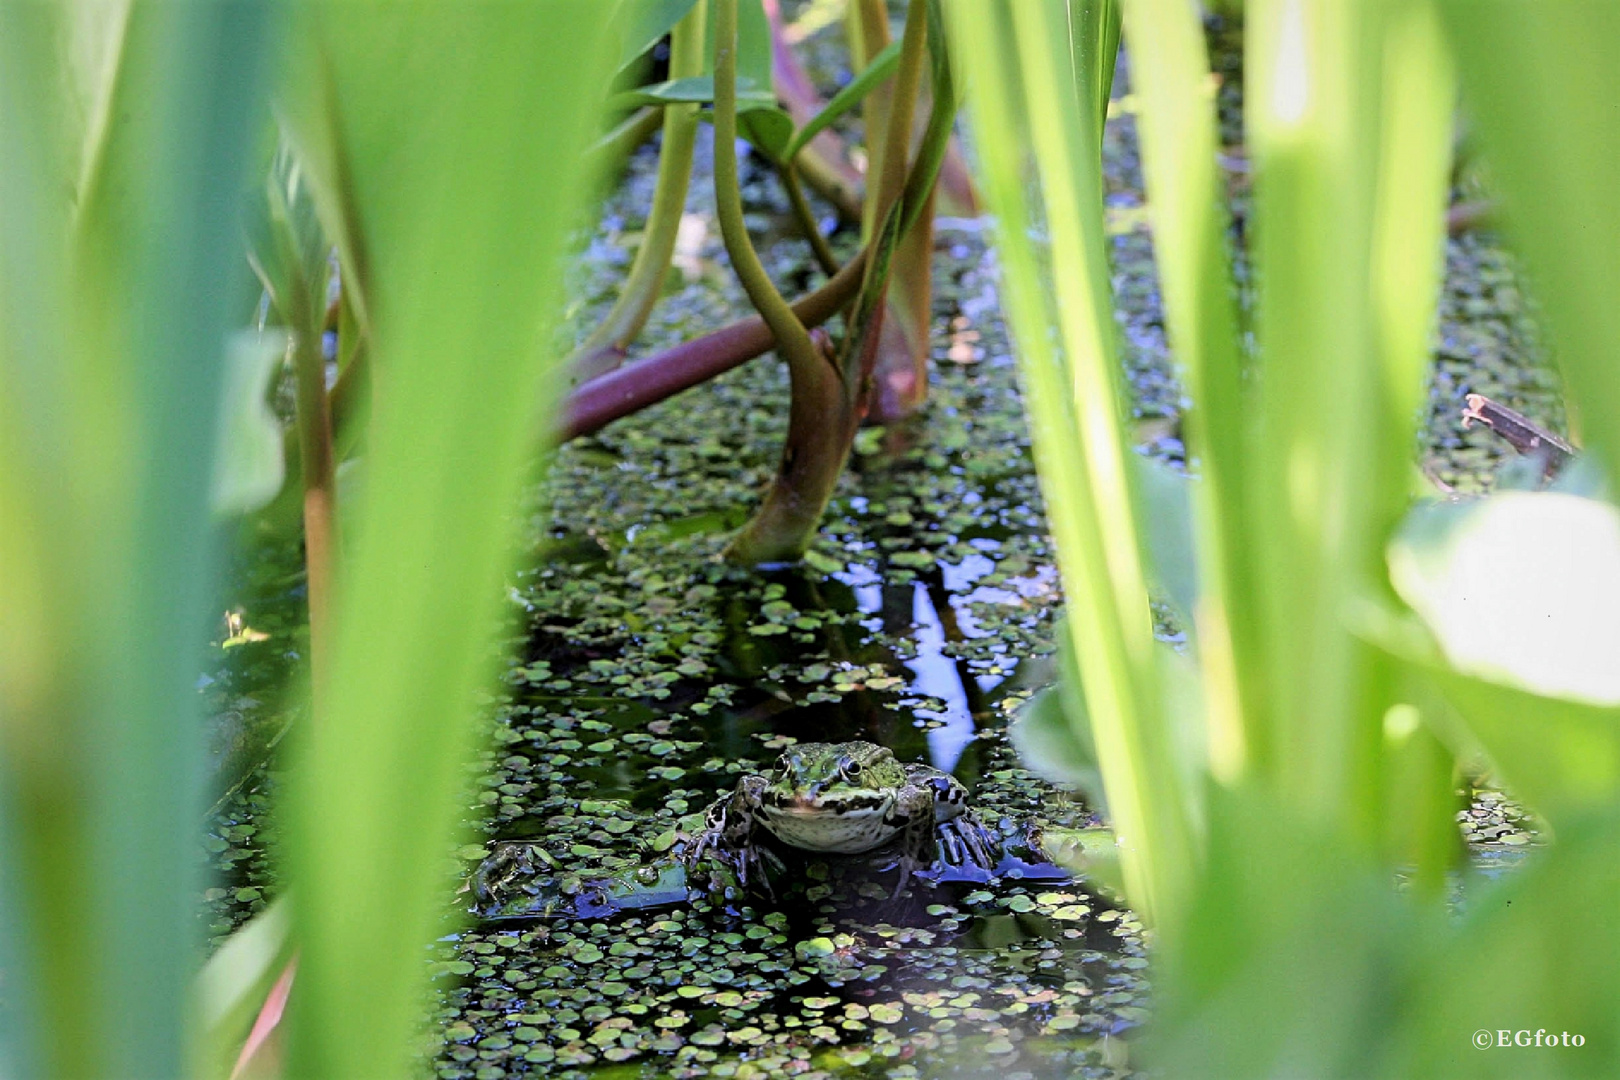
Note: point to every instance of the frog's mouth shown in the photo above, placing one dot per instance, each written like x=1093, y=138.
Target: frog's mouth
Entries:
x=810, y=804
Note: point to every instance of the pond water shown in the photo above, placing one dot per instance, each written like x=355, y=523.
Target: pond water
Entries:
x=648, y=676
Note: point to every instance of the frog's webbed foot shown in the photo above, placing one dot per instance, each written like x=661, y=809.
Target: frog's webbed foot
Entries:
x=729, y=835
x=964, y=840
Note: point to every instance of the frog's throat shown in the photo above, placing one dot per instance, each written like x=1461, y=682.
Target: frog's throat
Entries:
x=842, y=831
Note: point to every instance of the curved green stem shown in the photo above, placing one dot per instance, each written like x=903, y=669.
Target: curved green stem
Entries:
x=605, y=348
x=805, y=216
x=792, y=339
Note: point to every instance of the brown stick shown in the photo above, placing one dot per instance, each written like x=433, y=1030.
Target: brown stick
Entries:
x=1522, y=433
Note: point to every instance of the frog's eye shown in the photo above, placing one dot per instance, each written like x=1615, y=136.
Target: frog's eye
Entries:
x=849, y=767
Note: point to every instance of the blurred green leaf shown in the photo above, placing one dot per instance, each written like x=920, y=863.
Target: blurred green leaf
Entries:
x=1521, y=588
x=248, y=465
x=231, y=987
x=1537, y=950
x=698, y=89
x=128, y=130
x=1540, y=92
x=1289, y=925
x=1166, y=498
x=646, y=22
x=1561, y=757
x=1023, y=65
x=453, y=196
x=1056, y=745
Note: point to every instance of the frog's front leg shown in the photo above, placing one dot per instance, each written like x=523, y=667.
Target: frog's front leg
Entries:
x=913, y=815
x=962, y=836
x=731, y=830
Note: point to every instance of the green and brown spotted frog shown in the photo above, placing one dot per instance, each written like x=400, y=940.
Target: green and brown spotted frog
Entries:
x=845, y=799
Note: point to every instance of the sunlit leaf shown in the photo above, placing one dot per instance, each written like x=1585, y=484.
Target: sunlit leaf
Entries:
x=455, y=195
x=646, y=22
x=1522, y=587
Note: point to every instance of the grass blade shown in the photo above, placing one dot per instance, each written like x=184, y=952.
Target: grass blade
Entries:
x=114, y=332
x=458, y=190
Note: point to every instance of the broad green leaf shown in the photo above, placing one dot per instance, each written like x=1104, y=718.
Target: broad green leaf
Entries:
x=768, y=129
x=1056, y=745
x=455, y=196
x=1521, y=588
x=881, y=67
x=248, y=465
x=1561, y=757
x=645, y=23
x=128, y=131
x=758, y=118
x=696, y=89
x=1166, y=498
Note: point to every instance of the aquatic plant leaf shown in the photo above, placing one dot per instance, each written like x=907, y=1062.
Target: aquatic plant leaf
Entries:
x=1056, y=745
x=1029, y=124
x=1166, y=498
x=851, y=95
x=1561, y=757
x=455, y=196
x=248, y=466
x=645, y=23
x=768, y=129
x=1521, y=588
x=231, y=988
x=695, y=89
x=128, y=131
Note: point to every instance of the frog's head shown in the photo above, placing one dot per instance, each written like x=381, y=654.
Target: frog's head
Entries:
x=833, y=796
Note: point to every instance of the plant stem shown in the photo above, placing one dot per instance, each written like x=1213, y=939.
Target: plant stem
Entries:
x=900, y=371
x=605, y=348
x=594, y=405
x=825, y=162
x=805, y=216
x=821, y=413
x=866, y=340
x=868, y=30
x=320, y=492
x=793, y=340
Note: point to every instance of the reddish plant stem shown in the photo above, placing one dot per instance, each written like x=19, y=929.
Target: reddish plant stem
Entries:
x=320, y=499
x=900, y=368
x=599, y=402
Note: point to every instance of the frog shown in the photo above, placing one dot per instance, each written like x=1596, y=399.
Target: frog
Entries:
x=848, y=798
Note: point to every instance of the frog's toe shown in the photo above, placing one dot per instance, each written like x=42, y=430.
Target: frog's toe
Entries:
x=964, y=840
